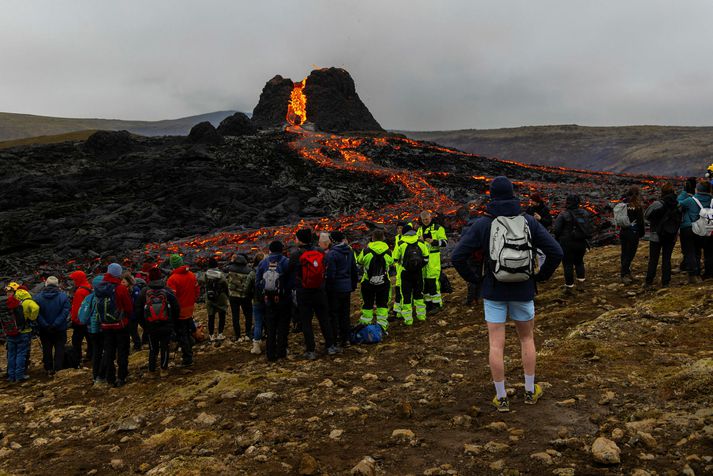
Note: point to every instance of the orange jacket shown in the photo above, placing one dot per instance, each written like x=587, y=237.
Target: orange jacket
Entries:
x=82, y=290
x=185, y=285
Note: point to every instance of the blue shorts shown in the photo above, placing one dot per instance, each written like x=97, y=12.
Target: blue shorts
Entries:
x=498, y=311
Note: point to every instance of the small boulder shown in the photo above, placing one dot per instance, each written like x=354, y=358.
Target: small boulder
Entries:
x=403, y=435
x=206, y=419
x=542, y=457
x=605, y=451
x=266, y=397
x=308, y=465
x=365, y=467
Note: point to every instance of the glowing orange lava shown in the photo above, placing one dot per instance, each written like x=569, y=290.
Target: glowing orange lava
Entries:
x=297, y=107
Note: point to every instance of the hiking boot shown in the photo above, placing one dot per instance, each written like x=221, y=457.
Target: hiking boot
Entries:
x=120, y=383
x=627, y=279
x=435, y=310
x=408, y=322
x=187, y=364
x=334, y=350
x=310, y=355
x=532, y=397
x=694, y=279
x=648, y=286
x=502, y=404
x=256, y=349
x=212, y=337
x=163, y=373
x=220, y=337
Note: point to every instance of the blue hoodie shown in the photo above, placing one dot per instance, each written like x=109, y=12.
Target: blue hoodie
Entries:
x=341, y=269
x=691, y=210
x=504, y=203
x=54, y=309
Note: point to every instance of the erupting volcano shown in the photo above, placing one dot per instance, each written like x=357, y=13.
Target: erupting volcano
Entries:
x=297, y=108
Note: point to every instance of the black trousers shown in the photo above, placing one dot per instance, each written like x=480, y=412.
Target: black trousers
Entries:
x=185, y=339
x=221, y=322
x=375, y=295
x=159, y=342
x=117, y=343
x=134, y=332
x=664, y=248
x=79, y=335
x=246, y=304
x=276, y=322
x=314, y=302
x=411, y=286
x=96, y=343
x=629, y=245
x=53, y=343
x=573, y=261
x=397, y=294
x=691, y=251
x=340, y=315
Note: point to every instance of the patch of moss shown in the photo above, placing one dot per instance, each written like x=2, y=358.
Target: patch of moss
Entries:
x=180, y=438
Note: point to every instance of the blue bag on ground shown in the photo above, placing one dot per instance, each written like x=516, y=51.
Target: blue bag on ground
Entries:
x=363, y=334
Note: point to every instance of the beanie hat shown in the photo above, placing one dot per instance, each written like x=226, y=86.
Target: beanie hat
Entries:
x=572, y=201
x=176, y=261
x=501, y=189
x=115, y=270
x=276, y=247
x=212, y=263
x=407, y=227
x=155, y=274
x=337, y=236
x=52, y=281
x=304, y=236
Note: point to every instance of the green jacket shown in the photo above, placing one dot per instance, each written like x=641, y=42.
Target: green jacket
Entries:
x=366, y=255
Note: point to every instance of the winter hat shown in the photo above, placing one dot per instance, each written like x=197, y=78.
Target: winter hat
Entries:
x=337, y=236
x=52, y=281
x=155, y=274
x=304, y=236
x=212, y=263
x=115, y=270
x=276, y=247
x=501, y=189
x=176, y=261
x=703, y=187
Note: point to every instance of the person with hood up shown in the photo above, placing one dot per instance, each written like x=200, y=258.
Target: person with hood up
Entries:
x=664, y=218
x=397, y=282
x=135, y=285
x=89, y=317
x=630, y=235
x=689, y=189
x=573, y=240
x=158, y=311
x=503, y=299
x=52, y=322
x=272, y=272
x=115, y=309
x=435, y=237
x=258, y=308
x=82, y=289
x=341, y=282
x=690, y=209
x=216, y=299
x=184, y=285
x=241, y=288
x=376, y=260
x=412, y=257
x=24, y=311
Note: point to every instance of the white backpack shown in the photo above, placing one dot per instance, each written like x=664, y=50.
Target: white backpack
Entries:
x=512, y=257
x=621, y=215
x=704, y=225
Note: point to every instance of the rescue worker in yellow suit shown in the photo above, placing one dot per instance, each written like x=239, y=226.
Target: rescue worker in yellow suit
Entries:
x=376, y=260
x=397, y=286
x=412, y=255
x=435, y=237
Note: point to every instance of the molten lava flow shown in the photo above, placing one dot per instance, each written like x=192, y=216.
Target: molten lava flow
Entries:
x=297, y=107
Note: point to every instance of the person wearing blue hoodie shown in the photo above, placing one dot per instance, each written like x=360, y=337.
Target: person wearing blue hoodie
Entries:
x=52, y=322
x=341, y=282
x=89, y=317
x=694, y=244
x=277, y=300
x=689, y=189
x=503, y=299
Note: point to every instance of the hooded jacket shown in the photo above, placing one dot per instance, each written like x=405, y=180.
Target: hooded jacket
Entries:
x=54, y=309
x=185, y=286
x=564, y=225
x=372, y=249
x=657, y=211
x=691, y=210
x=503, y=203
x=82, y=290
x=294, y=269
x=240, y=279
x=124, y=303
x=24, y=309
x=90, y=318
x=341, y=269
x=409, y=238
x=173, y=311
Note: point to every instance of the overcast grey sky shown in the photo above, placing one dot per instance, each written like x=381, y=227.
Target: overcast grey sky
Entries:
x=417, y=64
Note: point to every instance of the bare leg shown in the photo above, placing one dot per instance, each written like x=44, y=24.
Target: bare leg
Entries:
x=496, y=337
x=527, y=345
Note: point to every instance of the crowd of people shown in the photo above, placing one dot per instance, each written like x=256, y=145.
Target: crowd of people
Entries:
x=502, y=254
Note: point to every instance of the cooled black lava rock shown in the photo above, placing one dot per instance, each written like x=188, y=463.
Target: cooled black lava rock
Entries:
x=271, y=109
x=236, y=125
x=109, y=142
x=204, y=133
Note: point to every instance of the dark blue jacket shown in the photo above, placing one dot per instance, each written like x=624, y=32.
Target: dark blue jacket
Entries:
x=341, y=269
x=477, y=237
x=282, y=265
x=54, y=309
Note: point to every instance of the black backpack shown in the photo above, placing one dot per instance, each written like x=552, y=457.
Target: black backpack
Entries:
x=412, y=259
x=582, y=228
x=377, y=269
x=670, y=222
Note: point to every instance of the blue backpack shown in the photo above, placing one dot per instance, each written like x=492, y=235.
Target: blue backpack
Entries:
x=366, y=334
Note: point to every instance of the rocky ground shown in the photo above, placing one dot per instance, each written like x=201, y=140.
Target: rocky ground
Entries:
x=627, y=374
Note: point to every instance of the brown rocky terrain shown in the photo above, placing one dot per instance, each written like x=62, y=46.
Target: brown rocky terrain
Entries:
x=627, y=376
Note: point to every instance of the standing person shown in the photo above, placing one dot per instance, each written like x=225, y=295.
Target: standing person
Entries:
x=397, y=267
x=23, y=311
x=631, y=234
x=324, y=241
x=52, y=322
x=695, y=244
x=135, y=287
x=376, y=260
x=216, y=299
x=664, y=216
x=241, y=287
x=271, y=289
x=115, y=309
x=89, y=317
x=258, y=308
x=435, y=237
x=306, y=270
x=507, y=291
x=412, y=256
x=158, y=311
x=184, y=285
x=573, y=230
x=341, y=282
x=689, y=189
x=82, y=289
x=539, y=210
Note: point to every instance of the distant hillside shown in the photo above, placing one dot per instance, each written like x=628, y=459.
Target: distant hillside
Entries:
x=655, y=150
x=56, y=139
x=20, y=126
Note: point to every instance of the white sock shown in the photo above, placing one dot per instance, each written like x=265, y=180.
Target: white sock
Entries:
x=529, y=383
x=500, y=389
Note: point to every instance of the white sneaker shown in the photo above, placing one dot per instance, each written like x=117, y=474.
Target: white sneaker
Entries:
x=257, y=348
x=212, y=337
x=220, y=337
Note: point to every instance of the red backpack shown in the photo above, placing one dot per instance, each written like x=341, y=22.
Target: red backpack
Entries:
x=312, y=263
x=157, y=308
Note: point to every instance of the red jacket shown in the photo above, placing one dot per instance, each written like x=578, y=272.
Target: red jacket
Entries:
x=185, y=285
x=123, y=302
x=83, y=289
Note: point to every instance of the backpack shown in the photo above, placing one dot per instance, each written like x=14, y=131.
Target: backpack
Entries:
x=105, y=297
x=377, y=269
x=413, y=260
x=8, y=322
x=366, y=334
x=86, y=310
x=312, y=264
x=238, y=284
x=704, y=225
x=212, y=284
x=271, y=284
x=157, y=308
x=582, y=228
x=670, y=222
x=512, y=256
x=621, y=215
